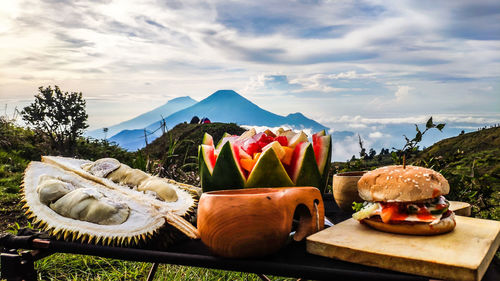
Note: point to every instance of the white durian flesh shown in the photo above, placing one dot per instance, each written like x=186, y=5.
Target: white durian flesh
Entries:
x=122, y=178
x=50, y=189
x=128, y=220
x=89, y=204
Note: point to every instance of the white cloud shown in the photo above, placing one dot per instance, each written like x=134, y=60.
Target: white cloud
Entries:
x=349, y=146
x=376, y=135
x=402, y=94
x=417, y=119
x=369, y=58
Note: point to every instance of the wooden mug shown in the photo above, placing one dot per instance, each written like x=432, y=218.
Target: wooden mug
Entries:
x=345, y=189
x=257, y=221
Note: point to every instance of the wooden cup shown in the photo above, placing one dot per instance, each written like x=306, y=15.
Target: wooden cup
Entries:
x=345, y=189
x=257, y=222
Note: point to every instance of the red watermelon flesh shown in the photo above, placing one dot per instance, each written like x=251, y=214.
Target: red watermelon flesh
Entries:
x=282, y=140
x=318, y=134
x=297, y=158
x=209, y=156
x=321, y=144
x=237, y=157
x=250, y=146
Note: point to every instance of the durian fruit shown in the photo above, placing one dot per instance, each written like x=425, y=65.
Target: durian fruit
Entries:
x=79, y=209
x=115, y=175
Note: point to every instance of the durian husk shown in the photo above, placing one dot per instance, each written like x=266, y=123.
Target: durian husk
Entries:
x=144, y=223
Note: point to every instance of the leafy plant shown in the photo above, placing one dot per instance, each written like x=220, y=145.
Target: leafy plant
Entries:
x=411, y=147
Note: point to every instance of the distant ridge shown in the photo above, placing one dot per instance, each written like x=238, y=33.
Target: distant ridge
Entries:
x=225, y=106
x=145, y=119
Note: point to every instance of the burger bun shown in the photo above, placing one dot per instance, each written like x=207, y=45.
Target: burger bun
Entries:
x=401, y=184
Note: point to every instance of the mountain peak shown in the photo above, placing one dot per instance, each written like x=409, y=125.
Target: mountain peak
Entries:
x=225, y=93
x=226, y=96
x=181, y=99
x=296, y=115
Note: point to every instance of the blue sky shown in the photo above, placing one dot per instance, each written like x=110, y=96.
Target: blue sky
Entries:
x=346, y=64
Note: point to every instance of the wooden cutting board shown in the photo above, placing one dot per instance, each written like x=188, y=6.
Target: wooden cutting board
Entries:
x=463, y=254
x=460, y=208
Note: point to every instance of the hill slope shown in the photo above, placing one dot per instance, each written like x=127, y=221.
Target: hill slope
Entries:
x=147, y=118
x=226, y=106
x=472, y=142
x=471, y=164
x=189, y=136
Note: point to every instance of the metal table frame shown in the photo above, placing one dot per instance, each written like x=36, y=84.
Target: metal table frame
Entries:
x=291, y=261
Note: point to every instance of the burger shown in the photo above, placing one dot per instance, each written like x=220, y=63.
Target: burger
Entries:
x=405, y=199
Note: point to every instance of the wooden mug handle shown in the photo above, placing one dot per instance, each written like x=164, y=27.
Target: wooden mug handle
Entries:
x=308, y=203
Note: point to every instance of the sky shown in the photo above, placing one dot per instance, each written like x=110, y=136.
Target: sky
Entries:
x=350, y=65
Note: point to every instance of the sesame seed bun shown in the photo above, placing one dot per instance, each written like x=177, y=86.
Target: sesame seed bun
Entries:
x=398, y=184
x=419, y=228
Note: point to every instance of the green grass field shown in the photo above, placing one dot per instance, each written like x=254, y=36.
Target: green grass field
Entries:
x=79, y=267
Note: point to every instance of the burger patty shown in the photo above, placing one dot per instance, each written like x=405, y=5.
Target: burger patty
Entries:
x=379, y=219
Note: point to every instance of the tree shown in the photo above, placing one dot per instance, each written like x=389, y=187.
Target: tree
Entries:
x=372, y=153
x=362, y=152
x=59, y=117
x=105, y=130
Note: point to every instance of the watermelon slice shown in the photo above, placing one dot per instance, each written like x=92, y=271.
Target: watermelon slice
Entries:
x=225, y=138
x=318, y=134
x=321, y=145
x=207, y=139
x=301, y=170
x=268, y=172
x=208, y=156
x=227, y=173
x=261, y=160
x=204, y=161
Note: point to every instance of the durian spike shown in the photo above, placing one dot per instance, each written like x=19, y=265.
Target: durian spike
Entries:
x=182, y=225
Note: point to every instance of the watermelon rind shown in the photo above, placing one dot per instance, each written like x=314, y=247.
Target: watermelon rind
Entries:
x=220, y=143
x=324, y=143
x=207, y=139
x=308, y=174
x=268, y=172
x=205, y=174
x=227, y=171
x=326, y=169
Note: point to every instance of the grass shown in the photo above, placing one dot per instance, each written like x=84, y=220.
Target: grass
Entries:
x=80, y=267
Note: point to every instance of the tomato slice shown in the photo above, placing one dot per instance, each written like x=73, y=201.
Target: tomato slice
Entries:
x=424, y=214
x=391, y=212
